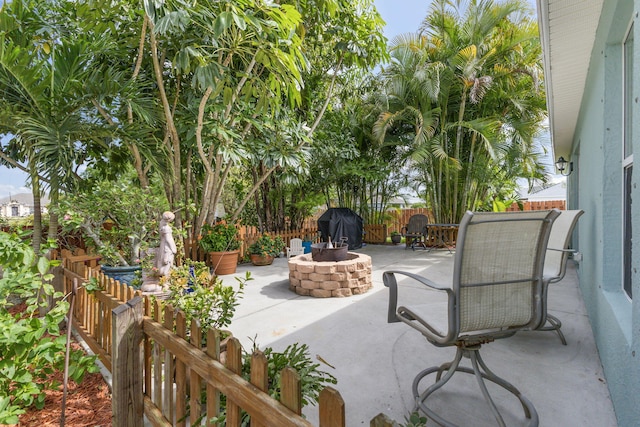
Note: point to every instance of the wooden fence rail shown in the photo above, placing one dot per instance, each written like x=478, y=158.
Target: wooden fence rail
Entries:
x=161, y=369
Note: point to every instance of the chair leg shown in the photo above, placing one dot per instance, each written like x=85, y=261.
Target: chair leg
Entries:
x=482, y=373
x=555, y=325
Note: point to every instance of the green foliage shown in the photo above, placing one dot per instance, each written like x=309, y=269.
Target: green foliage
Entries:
x=93, y=285
x=267, y=246
x=296, y=356
x=32, y=346
x=119, y=218
x=312, y=379
x=203, y=297
x=220, y=237
x=415, y=420
x=463, y=100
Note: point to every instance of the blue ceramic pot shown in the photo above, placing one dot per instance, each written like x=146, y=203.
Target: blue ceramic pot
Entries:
x=124, y=273
x=307, y=247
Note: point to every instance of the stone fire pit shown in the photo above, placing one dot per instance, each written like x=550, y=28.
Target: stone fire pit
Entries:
x=330, y=278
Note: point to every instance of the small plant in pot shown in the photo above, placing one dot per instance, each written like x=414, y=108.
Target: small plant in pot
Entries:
x=265, y=249
x=396, y=237
x=222, y=242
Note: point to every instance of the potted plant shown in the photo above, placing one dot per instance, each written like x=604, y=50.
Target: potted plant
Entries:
x=118, y=220
x=396, y=237
x=265, y=249
x=222, y=242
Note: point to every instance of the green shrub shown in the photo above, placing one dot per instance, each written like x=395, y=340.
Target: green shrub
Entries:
x=201, y=296
x=220, y=237
x=32, y=346
x=267, y=246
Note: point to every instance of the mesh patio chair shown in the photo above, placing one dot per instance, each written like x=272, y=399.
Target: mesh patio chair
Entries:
x=496, y=291
x=295, y=248
x=555, y=263
x=415, y=231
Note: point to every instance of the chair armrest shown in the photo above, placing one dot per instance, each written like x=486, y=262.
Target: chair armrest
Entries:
x=404, y=230
x=571, y=251
x=406, y=315
x=563, y=266
x=389, y=280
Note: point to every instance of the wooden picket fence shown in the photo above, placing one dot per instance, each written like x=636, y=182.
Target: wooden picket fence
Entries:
x=161, y=370
x=540, y=206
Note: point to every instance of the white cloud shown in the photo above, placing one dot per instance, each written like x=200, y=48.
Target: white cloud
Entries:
x=7, y=190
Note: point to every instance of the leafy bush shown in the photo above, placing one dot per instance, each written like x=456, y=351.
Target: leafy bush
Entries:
x=201, y=296
x=220, y=237
x=296, y=355
x=32, y=346
x=312, y=379
x=118, y=219
x=267, y=246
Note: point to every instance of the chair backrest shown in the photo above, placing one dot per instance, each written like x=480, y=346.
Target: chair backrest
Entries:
x=295, y=244
x=417, y=224
x=295, y=247
x=498, y=269
x=555, y=261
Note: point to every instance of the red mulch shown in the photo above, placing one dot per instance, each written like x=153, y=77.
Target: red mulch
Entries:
x=88, y=403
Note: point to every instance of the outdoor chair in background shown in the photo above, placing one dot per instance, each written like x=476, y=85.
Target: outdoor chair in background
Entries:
x=496, y=290
x=415, y=231
x=555, y=263
x=295, y=248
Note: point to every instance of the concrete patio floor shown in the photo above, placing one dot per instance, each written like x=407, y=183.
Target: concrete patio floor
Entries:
x=375, y=362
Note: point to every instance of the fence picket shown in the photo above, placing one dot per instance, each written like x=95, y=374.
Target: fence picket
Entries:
x=213, y=394
x=259, y=377
x=234, y=364
x=157, y=362
x=181, y=375
x=331, y=408
x=195, y=385
x=291, y=393
x=167, y=407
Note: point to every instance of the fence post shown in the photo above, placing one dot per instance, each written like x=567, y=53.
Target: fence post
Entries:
x=127, y=363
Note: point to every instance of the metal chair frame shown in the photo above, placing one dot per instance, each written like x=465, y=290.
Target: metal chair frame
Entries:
x=415, y=231
x=555, y=264
x=496, y=291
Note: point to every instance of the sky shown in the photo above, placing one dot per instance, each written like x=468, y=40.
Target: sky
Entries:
x=401, y=16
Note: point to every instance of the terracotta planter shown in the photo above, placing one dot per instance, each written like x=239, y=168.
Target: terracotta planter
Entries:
x=257, y=259
x=224, y=262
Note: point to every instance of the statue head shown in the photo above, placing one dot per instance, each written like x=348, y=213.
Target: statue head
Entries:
x=168, y=216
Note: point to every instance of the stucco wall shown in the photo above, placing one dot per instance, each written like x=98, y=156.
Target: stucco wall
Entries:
x=596, y=187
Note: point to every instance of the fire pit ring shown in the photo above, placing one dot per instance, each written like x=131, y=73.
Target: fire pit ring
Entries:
x=325, y=279
x=320, y=252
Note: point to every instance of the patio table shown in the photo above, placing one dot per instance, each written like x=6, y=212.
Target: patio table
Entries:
x=440, y=233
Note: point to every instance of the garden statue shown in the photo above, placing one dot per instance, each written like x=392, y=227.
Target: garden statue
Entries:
x=167, y=250
x=165, y=254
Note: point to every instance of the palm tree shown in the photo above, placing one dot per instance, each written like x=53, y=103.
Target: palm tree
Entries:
x=466, y=87
x=41, y=91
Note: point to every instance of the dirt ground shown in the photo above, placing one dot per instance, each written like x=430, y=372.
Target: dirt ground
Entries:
x=88, y=403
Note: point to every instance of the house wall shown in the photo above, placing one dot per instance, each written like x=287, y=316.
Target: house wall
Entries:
x=596, y=187
x=9, y=210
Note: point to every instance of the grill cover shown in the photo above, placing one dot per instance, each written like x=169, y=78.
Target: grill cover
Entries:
x=342, y=222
